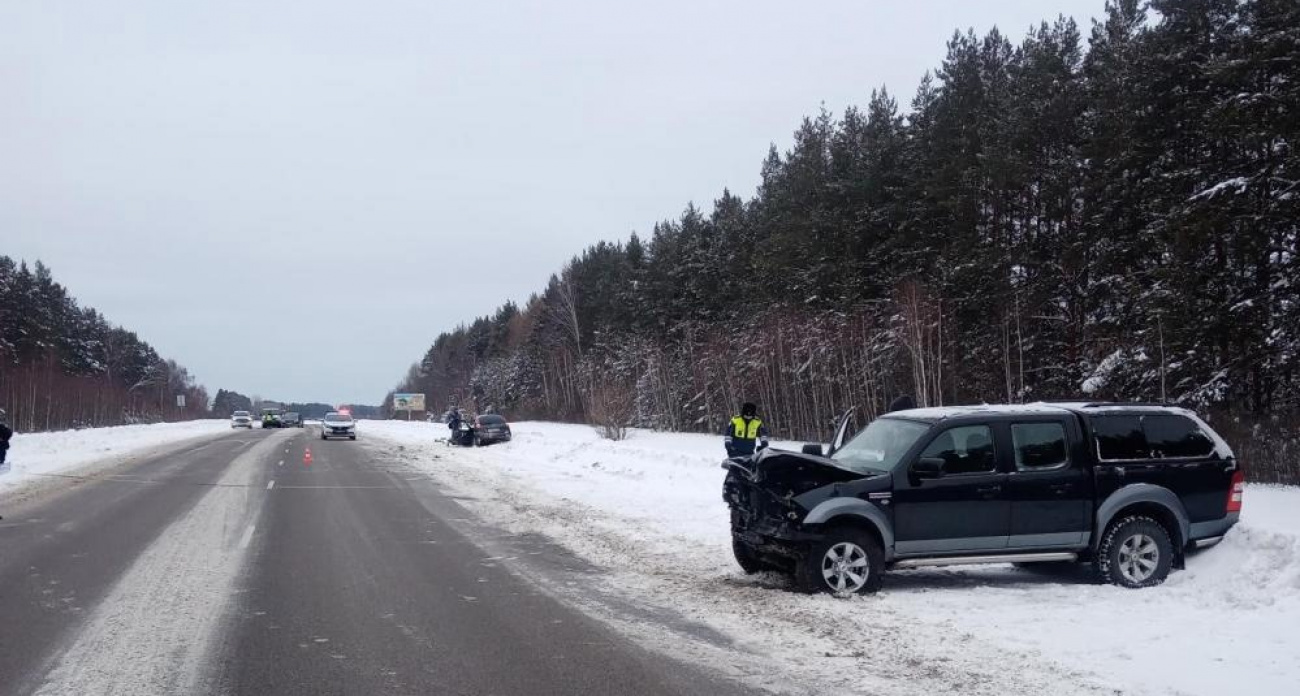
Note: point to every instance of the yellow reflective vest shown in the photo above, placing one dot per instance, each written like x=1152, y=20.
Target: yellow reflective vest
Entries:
x=745, y=431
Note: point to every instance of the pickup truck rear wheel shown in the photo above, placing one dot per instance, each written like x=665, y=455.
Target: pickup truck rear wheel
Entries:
x=1135, y=552
x=846, y=561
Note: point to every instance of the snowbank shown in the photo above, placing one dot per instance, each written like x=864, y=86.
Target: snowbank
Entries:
x=649, y=509
x=36, y=456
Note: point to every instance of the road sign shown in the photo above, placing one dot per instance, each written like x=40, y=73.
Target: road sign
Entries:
x=408, y=402
x=180, y=401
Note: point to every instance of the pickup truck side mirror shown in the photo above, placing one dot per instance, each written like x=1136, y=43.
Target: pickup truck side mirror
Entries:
x=928, y=467
x=813, y=448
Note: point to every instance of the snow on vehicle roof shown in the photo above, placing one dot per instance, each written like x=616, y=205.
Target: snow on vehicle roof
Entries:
x=1039, y=408
x=1119, y=406
x=942, y=412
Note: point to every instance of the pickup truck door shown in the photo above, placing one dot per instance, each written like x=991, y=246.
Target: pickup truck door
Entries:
x=1048, y=484
x=965, y=508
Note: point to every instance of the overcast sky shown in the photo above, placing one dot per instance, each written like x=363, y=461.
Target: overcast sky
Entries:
x=294, y=198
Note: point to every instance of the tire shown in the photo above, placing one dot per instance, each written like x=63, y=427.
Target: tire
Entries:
x=323, y=436
x=817, y=571
x=746, y=558
x=1135, y=552
x=353, y=438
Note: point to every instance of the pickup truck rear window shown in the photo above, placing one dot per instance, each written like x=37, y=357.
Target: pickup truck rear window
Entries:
x=1176, y=437
x=1120, y=437
x=1161, y=436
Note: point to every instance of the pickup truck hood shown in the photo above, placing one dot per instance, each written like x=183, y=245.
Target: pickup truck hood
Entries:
x=791, y=474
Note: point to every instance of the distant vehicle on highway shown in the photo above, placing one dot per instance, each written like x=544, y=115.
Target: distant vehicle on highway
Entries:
x=291, y=420
x=271, y=418
x=338, y=424
x=241, y=419
x=491, y=428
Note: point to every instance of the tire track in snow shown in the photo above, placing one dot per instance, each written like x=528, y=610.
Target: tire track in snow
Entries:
x=152, y=633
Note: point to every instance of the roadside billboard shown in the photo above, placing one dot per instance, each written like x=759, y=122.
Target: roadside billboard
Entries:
x=408, y=402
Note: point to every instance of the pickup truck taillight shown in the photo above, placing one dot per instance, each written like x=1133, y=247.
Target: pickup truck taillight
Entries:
x=1237, y=491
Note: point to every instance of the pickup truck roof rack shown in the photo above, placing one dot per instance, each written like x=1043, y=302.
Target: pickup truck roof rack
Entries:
x=1102, y=404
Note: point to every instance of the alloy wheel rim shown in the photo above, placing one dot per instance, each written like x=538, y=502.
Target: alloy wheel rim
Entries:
x=1138, y=558
x=845, y=567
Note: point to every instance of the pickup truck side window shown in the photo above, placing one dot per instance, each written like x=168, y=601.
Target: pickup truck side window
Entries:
x=964, y=450
x=1120, y=438
x=1040, y=446
x=1176, y=436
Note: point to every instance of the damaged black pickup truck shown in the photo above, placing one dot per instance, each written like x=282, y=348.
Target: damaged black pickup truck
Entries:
x=1129, y=488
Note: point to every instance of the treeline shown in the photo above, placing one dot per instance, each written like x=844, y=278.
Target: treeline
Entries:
x=317, y=410
x=65, y=366
x=1042, y=222
x=226, y=402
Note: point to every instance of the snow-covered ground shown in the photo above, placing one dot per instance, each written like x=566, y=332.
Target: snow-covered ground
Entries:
x=649, y=510
x=34, y=457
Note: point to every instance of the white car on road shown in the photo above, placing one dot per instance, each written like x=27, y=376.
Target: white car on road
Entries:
x=241, y=419
x=338, y=425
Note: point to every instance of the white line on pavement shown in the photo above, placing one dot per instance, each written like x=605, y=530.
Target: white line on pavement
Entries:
x=270, y=484
x=248, y=536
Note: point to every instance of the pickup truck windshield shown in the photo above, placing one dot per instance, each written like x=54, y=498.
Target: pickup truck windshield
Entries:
x=880, y=446
x=336, y=418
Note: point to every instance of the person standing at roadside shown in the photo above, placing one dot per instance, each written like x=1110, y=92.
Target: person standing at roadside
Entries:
x=454, y=420
x=5, y=434
x=746, y=433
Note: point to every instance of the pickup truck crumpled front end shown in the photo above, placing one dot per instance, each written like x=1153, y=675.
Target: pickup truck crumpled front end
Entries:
x=771, y=492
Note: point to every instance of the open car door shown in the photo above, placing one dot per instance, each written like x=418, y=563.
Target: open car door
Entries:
x=843, y=431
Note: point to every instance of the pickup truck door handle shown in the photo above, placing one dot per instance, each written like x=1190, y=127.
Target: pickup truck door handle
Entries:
x=989, y=491
x=1060, y=488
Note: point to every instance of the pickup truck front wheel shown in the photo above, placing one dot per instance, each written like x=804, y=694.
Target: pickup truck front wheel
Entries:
x=846, y=561
x=746, y=558
x=1136, y=552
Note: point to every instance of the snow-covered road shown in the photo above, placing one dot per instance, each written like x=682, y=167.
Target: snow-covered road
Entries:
x=152, y=633
x=37, y=457
x=243, y=566
x=649, y=511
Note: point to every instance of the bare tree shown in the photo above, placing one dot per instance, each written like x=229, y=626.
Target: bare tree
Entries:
x=922, y=335
x=562, y=307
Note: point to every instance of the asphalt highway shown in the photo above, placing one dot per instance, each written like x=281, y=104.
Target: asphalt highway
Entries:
x=240, y=565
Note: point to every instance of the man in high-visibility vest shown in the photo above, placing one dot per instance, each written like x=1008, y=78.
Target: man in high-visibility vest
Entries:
x=745, y=433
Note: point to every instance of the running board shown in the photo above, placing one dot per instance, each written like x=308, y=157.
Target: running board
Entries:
x=976, y=560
